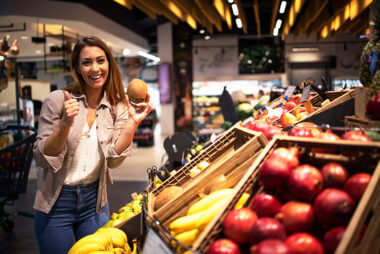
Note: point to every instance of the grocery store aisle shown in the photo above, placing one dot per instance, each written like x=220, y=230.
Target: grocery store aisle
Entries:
x=129, y=177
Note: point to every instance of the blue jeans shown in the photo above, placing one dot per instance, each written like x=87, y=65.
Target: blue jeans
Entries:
x=72, y=217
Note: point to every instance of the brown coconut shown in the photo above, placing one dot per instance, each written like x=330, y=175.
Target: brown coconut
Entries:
x=166, y=195
x=137, y=91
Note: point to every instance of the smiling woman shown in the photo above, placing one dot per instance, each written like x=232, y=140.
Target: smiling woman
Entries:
x=83, y=132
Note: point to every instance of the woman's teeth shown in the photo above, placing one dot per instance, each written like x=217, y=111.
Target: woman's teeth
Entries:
x=96, y=77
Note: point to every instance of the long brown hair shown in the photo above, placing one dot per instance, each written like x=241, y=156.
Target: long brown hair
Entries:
x=113, y=86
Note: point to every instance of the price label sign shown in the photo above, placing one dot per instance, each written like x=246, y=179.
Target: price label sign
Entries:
x=289, y=91
x=154, y=244
x=305, y=93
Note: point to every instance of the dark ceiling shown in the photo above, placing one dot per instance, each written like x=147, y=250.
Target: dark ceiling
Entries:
x=314, y=15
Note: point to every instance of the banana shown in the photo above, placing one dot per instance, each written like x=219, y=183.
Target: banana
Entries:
x=210, y=213
x=209, y=200
x=188, y=237
x=87, y=245
x=119, y=251
x=185, y=223
x=119, y=238
x=136, y=247
x=242, y=201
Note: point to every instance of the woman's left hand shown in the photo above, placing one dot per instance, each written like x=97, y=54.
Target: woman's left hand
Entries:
x=137, y=112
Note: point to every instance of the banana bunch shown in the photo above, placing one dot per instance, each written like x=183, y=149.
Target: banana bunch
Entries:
x=104, y=240
x=126, y=212
x=186, y=229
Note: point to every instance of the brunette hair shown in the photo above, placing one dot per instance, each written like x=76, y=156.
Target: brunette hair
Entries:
x=113, y=86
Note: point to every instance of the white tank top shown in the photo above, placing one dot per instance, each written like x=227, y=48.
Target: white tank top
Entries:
x=87, y=160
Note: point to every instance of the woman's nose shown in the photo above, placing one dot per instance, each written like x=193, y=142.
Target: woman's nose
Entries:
x=95, y=67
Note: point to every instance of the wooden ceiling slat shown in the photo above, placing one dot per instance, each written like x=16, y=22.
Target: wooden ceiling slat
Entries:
x=307, y=17
x=144, y=9
x=257, y=17
x=319, y=23
x=209, y=11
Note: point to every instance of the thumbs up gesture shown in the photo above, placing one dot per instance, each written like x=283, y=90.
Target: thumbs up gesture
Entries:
x=71, y=109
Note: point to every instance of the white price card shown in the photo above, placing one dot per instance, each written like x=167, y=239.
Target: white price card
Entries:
x=154, y=244
x=289, y=91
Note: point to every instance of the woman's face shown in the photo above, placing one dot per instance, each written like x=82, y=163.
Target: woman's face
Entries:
x=93, y=66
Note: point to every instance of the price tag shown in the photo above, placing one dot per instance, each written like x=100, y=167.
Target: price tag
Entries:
x=289, y=91
x=154, y=244
x=305, y=93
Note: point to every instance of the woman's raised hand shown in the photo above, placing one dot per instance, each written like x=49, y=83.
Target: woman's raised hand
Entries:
x=71, y=109
x=139, y=111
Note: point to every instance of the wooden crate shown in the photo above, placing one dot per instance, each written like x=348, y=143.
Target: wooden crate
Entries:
x=235, y=146
x=355, y=121
x=363, y=157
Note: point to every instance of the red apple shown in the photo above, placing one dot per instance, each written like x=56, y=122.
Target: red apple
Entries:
x=357, y=184
x=290, y=105
x=334, y=175
x=238, y=224
x=373, y=107
x=356, y=136
x=301, y=132
x=288, y=155
x=332, y=238
x=224, y=246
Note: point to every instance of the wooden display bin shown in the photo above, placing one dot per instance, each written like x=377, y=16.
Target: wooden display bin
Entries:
x=355, y=156
x=236, y=145
x=355, y=121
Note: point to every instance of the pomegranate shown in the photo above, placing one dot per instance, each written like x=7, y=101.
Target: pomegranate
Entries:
x=296, y=217
x=274, y=173
x=327, y=135
x=266, y=228
x=305, y=182
x=286, y=154
x=356, y=136
x=332, y=238
x=301, y=132
x=271, y=131
x=269, y=246
x=373, y=106
x=265, y=205
x=224, y=246
x=303, y=243
x=357, y=184
x=333, y=207
x=334, y=175
x=238, y=224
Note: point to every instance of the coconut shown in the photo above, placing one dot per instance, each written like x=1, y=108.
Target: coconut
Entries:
x=137, y=91
x=166, y=195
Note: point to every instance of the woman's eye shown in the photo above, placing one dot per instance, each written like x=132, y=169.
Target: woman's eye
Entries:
x=101, y=61
x=85, y=63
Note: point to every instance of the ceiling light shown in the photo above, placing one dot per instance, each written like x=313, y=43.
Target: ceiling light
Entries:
x=24, y=37
x=282, y=7
x=207, y=37
x=278, y=23
x=305, y=49
x=126, y=52
x=238, y=23
x=230, y=1
x=235, y=10
x=202, y=31
x=149, y=56
x=2, y=58
x=275, y=31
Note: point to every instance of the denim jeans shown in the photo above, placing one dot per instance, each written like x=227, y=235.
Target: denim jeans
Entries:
x=72, y=217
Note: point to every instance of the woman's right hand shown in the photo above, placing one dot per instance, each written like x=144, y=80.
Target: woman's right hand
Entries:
x=71, y=110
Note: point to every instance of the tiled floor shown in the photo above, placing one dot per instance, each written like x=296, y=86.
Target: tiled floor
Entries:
x=130, y=177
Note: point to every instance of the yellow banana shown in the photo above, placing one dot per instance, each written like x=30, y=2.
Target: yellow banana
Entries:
x=210, y=213
x=101, y=252
x=188, y=237
x=185, y=223
x=119, y=251
x=242, y=201
x=119, y=238
x=136, y=247
x=209, y=200
x=93, y=242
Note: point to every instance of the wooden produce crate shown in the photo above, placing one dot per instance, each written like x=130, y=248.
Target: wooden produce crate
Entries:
x=355, y=121
x=361, y=100
x=233, y=147
x=355, y=156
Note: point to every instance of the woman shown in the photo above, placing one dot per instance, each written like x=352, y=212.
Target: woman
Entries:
x=83, y=131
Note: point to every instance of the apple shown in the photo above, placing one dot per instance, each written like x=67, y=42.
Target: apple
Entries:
x=357, y=184
x=373, y=107
x=334, y=175
x=288, y=155
x=238, y=223
x=265, y=205
x=224, y=246
x=274, y=173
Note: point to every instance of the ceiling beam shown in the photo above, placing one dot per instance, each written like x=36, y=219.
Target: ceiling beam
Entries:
x=276, y=4
x=125, y=3
x=224, y=11
x=211, y=14
x=257, y=17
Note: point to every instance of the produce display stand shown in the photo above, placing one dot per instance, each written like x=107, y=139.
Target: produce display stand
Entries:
x=355, y=121
x=357, y=156
x=236, y=145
